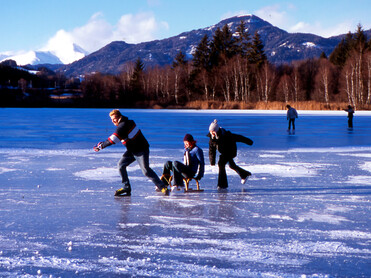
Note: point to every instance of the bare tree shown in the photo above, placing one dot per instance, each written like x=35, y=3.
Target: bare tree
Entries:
x=265, y=79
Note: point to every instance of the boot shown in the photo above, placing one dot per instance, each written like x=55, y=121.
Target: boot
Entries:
x=124, y=191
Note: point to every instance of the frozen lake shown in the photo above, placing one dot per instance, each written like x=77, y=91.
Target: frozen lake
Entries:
x=305, y=211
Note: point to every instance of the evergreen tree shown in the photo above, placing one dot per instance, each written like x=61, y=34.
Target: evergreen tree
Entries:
x=256, y=55
x=216, y=48
x=135, y=81
x=360, y=40
x=323, y=55
x=228, y=42
x=179, y=60
x=340, y=54
x=242, y=43
x=356, y=42
x=221, y=47
x=201, y=57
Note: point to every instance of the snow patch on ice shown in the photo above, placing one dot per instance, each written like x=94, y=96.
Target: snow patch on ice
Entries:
x=280, y=217
x=364, y=180
x=366, y=155
x=289, y=169
x=271, y=156
x=178, y=223
x=54, y=169
x=321, y=217
x=6, y=170
x=366, y=166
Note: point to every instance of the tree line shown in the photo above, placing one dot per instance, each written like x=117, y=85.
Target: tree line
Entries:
x=229, y=68
x=234, y=68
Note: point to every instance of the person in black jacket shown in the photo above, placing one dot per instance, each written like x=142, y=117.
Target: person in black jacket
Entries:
x=225, y=142
x=137, y=148
x=350, y=111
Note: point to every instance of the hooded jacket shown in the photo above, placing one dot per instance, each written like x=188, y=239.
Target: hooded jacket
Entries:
x=226, y=144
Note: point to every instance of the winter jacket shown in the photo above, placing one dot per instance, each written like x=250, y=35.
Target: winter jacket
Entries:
x=350, y=113
x=194, y=158
x=129, y=135
x=226, y=144
x=291, y=113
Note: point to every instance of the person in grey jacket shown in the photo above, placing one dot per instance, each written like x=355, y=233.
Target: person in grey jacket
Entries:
x=291, y=116
x=193, y=165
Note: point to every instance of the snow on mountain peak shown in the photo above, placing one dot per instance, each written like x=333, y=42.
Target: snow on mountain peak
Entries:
x=32, y=58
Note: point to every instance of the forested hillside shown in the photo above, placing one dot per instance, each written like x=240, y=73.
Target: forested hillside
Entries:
x=227, y=70
x=234, y=70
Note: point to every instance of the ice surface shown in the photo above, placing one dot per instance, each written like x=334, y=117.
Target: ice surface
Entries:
x=305, y=211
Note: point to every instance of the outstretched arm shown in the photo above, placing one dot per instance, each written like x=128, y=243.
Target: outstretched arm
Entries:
x=243, y=139
x=110, y=141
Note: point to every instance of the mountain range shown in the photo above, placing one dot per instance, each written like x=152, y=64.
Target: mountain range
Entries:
x=279, y=46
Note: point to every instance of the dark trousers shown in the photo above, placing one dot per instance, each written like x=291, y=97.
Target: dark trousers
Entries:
x=293, y=123
x=222, y=177
x=179, y=170
x=350, y=121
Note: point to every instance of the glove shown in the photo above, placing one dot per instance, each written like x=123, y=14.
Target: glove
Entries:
x=98, y=147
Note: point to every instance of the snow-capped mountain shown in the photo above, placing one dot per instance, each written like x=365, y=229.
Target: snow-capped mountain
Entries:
x=63, y=55
x=32, y=58
x=279, y=46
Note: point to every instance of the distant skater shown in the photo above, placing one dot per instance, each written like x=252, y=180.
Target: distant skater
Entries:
x=193, y=165
x=291, y=116
x=137, y=148
x=350, y=111
x=226, y=143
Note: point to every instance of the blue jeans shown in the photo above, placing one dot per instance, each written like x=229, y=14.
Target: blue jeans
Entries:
x=143, y=161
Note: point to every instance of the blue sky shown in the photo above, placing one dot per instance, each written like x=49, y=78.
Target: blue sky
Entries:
x=47, y=24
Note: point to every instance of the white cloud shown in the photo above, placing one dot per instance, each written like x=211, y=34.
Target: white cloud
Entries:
x=274, y=15
x=318, y=29
x=284, y=17
x=62, y=45
x=137, y=28
x=97, y=32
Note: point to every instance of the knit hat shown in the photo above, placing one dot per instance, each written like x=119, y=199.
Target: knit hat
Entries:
x=188, y=138
x=214, y=126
